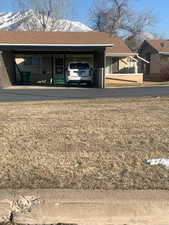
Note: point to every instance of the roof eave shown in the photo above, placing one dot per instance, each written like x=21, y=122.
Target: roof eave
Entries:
x=55, y=45
x=148, y=43
x=121, y=54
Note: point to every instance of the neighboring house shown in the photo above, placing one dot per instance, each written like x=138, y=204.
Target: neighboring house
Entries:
x=46, y=56
x=157, y=53
x=121, y=64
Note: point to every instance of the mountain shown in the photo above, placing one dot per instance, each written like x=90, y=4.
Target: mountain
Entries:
x=27, y=20
x=147, y=36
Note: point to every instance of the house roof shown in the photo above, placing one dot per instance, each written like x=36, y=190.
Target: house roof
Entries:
x=161, y=46
x=54, y=38
x=113, y=45
x=119, y=47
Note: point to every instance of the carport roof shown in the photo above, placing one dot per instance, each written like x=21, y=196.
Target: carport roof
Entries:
x=26, y=38
x=114, y=46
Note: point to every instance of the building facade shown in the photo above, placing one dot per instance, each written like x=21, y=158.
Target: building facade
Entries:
x=45, y=55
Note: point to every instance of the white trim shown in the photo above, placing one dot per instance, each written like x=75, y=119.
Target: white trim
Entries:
x=164, y=53
x=58, y=45
x=120, y=54
x=143, y=59
x=125, y=74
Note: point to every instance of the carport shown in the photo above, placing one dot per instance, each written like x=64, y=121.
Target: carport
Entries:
x=51, y=47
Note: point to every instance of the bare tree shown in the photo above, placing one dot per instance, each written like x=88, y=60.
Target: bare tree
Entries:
x=108, y=16
x=46, y=15
x=116, y=18
x=136, y=27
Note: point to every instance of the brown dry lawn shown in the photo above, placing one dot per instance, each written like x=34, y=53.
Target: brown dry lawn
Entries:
x=85, y=144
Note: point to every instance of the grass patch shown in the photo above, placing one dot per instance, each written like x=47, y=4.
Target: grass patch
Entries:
x=84, y=144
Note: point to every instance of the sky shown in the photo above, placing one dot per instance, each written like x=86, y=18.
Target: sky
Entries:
x=82, y=8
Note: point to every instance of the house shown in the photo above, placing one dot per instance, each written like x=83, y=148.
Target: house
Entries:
x=46, y=56
x=157, y=53
x=121, y=64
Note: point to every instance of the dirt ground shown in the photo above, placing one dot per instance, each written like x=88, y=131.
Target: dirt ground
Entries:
x=84, y=144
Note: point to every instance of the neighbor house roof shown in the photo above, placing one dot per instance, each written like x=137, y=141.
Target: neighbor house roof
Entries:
x=119, y=48
x=54, y=38
x=161, y=46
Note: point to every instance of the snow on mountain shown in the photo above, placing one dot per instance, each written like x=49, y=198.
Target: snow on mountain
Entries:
x=28, y=21
x=147, y=36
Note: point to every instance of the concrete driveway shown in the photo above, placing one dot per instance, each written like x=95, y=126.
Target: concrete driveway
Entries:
x=31, y=93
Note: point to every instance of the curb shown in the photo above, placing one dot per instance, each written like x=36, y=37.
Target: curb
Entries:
x=77, y=207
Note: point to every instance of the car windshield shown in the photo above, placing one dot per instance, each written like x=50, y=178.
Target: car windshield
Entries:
x=79, y=66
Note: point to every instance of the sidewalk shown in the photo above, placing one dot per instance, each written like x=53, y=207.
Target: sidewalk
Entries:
x=90, y=207
x=144, y=84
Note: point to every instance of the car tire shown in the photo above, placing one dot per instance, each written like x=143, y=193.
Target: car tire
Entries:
x=68, y=84
x=89, y=84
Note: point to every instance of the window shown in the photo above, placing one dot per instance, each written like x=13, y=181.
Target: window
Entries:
x=28, y=61
x=80, y=66
x=32, y=61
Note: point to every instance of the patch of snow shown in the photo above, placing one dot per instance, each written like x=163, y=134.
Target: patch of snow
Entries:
x=163, y=162
x=23, y=20
x=147, y=35
x=21, y=204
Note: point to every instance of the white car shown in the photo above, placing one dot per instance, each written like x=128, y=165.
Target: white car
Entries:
x=79, y=72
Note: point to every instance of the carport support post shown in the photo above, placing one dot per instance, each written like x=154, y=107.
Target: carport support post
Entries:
x=100, y=68
x=53, y=69
x=7, y=68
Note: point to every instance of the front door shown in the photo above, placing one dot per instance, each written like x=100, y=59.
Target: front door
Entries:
x=59, y=75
